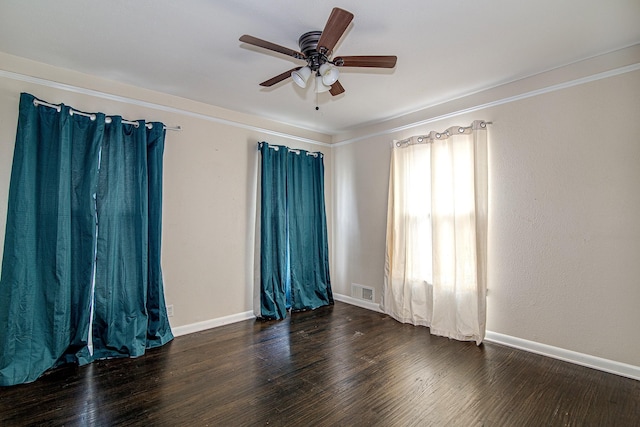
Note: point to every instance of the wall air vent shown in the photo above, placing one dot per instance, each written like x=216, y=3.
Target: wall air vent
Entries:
x=362, y=292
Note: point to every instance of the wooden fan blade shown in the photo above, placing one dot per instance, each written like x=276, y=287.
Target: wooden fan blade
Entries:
x=366, y=61
x=271, y=46
x=336, y=89
x=279, y=78
x=336, y=25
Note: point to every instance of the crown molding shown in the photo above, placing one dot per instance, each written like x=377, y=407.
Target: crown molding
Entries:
x=525, y=95
x=131, y=101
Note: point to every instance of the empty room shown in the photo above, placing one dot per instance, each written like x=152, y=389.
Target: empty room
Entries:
x=330, y=213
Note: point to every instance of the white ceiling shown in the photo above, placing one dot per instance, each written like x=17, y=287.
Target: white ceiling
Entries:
x=190, y=48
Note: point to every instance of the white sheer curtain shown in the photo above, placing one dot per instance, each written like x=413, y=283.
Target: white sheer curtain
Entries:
x=436, y=258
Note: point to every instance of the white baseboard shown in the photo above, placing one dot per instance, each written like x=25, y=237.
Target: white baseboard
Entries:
x=358, y=302
x=221, y=321
x=606, y=365
x=212, y=323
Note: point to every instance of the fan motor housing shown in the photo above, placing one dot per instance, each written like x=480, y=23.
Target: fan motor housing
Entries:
x=308, y=43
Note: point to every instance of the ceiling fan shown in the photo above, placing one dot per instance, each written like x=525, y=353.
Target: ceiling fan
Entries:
x=316, y=48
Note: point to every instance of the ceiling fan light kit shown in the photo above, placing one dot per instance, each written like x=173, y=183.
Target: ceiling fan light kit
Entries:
x=329, y=74
x=301, y=76
x=316, y=48
x=320, y=86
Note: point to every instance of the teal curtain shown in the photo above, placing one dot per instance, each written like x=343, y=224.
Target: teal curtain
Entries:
x=129, y=310
x=273, y=233
x=158, y=329
x=60, y=215
x=294, y=256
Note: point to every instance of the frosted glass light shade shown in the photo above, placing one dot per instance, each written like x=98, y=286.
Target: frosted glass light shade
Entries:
x=329, y=74
x=320, y=86
x=301, y=76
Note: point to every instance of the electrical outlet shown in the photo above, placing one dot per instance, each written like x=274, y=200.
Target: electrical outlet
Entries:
x=170, y=310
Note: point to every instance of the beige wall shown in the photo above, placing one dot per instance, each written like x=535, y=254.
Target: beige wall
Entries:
x=564, y=235
x=210, y=181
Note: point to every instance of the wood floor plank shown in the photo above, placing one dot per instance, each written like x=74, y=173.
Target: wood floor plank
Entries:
x=339, y=365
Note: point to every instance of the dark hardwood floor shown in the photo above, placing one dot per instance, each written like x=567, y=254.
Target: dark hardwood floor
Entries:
x=335, y=366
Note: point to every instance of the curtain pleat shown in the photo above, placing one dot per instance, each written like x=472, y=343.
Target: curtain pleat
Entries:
x=158, y=329
x=408, y=291
x=455, y=291
x=62, y=166
x=120, y=315
x=273, y=237
x=309, y=255
x=87, y=137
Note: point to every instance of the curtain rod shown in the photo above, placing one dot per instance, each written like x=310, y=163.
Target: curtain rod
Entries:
x=107, y=119
x=291, y=150
x=438, y=135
